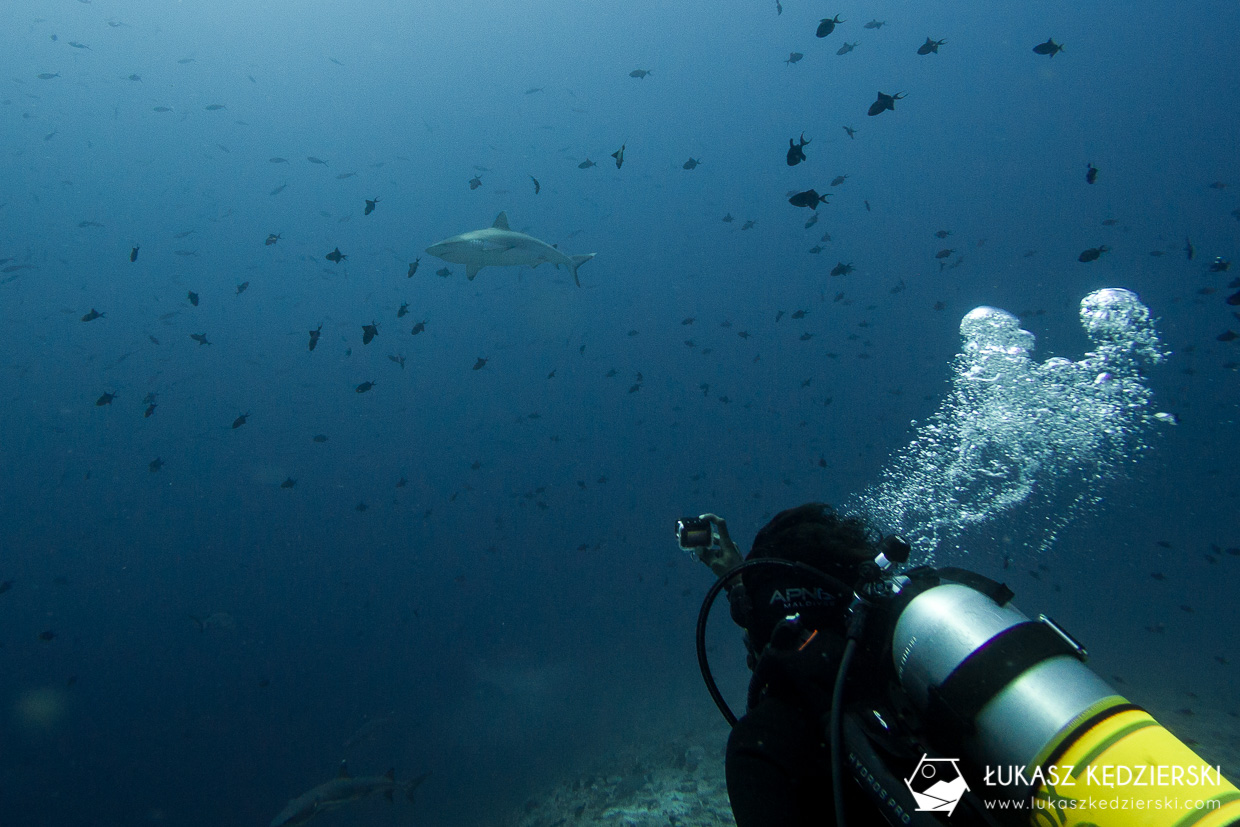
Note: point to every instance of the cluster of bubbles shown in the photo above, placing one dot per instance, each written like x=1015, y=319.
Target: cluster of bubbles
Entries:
x=1014, y=432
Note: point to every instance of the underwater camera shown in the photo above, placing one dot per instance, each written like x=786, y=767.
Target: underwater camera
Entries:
x=1003, y=703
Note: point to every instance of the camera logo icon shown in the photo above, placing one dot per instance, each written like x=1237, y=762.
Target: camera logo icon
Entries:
x=937, y=784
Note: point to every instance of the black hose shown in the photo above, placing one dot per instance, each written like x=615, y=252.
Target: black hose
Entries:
x=836, y=735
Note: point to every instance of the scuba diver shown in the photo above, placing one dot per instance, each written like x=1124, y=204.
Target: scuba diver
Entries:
x=922, y=697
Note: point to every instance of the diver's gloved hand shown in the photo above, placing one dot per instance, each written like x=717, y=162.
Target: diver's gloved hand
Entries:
x=727, y=556
x=799, y=666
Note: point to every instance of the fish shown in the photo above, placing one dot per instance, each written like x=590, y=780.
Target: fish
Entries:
x=475, y=182
x=852, y=133
x=534, y=89
x=827, y=25
x=84, y=224
x=241, y=288
x=314, y=336
x=277, y=160
x=813, y=219
x=639, y=73
x=342, y=790
x=200, y=338
x=538, y=186
x=796, y=152
x=480, y=364
x=944, y=253
x=586, y=164
x=443, y=272
x=370, y=205
x=794, y=57
x=690, y=164
x=400, y=360
x=155, y=464
x=748, y=225
x=344, y=175
x=272, y=238
x=618, y=155
x=92, y=315
x=418, y=328
x=289, y=482
x=413, y=267
x=214, y=107
x=1091, y=173
x=884, y=103
x=847, y=47
x=499, y=246
x=404, y=308
x=161, y=108
x=875, y=24
x=1092, y=254
x=133, y=254
x=336, y=256
x=369, y=331
x=319, y=438
x=48, y=75
x=842, y=269
x=931, y=46
x=365, y=386
x=839, y=179
x=193, y=298
x=808, y=198
x=315, y=160
x=5, y=586
x=105, y=399
x=728, y=219
x=1219, y=265
x=240, y=420
x=278, y=190
x=1050, y=47
x=1189, y=250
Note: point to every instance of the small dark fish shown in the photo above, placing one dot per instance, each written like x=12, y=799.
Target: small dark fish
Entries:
x=480, y=364
x=796, y=151
x=278, y=190
x=1050, y=47
x=5, y=586
x=48, y=75
x=847, y=47
x=47, y=636
x=619, y=156
x=314, y=160
x=794, y=57
x=277, y=160
x=193, y=298
x=320, y=438
x=538, y=186
x=1189, y=251
x=443, y=272
x=748, y=225
x=779, y=7
x=336, y=256
x=240, y=420
x=1227, y=336
x=200, y=338
x=842, y=269
x=314, y=336
x=418, y=328
x=365, y=386
x=342, y=176
x=161, y=108
x=370, y=205
x=827, y=25
x=185, y=60
x=1091, y=173
x=1218, y=185
x=289, y=482
x=214, y=107
x=241, y=288
x=84, y=224
x=272, y=238
x=133, y=254
x=867, y=205
x=931, y=46
x=400, y=360
x=369, y=331
x=106, y=399
x=875, y=24
x=586, y=164
x=942, y=233
x=839, y=179
x=135, y=77
x=639, y=73
x=728, y=219
x=1219, y=265
x=945, y=253
x=1234, y=299
x=534, y=89
x=475, y=182
x=404, y=308
x=155, y=464
x=92, y=315
x=150, y=411
x=813, y=219
x=852, y=133
x=1109, y=222
x=1092, y=254
x=809, y=198
x=690, y=164
x=884, y=103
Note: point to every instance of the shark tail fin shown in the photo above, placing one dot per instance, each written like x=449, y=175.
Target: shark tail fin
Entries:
x=577, y=261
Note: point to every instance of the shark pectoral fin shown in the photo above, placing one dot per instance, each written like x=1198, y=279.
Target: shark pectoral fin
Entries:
x=501, y=221
x=471, y=270
x=577, y=261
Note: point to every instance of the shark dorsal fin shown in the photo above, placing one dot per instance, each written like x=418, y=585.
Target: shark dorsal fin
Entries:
x=501, y=221
x=344, y=770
